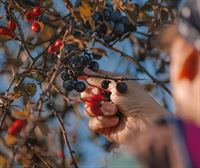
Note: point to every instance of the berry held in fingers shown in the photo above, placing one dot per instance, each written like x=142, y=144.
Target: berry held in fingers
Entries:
x=122, y=87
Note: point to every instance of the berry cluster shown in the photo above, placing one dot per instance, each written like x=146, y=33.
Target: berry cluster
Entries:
x=33, y=17
x=16, y=127
x=111, y=25
x=74, y=67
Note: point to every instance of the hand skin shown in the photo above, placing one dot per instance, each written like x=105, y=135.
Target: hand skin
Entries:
x=138, y=109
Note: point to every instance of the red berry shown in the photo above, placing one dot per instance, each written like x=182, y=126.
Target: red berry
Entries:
x=12, y=25
x=12, y=130
x=30, y=16
x=60, y=154
x=35, y=27
x=37, y=11
x=5, y=34
x=51, y=49
x=58, y=43
x=94, y=103
x=18, y=124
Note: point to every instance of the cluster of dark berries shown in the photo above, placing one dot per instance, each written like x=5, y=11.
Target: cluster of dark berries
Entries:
x=111, y=25
x=121, y=86
x=74, y=67
x=70, y=85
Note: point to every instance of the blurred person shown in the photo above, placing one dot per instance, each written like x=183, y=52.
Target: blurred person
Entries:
x=157, y=139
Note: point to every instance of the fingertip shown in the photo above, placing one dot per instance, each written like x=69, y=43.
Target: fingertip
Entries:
x=108, y=108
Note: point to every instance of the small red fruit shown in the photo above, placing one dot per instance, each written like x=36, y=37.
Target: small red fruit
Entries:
x=5, y=34
x=60, y=154
x=58, y=43
x=94, y=102
x=30, y=16
x=16, y=127
x=51, y=49
x=35, y=27
x=18, y=124
x=12, y=130
x=12, y=24
x=37, y=11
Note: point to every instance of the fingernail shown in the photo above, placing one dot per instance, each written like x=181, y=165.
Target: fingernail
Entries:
x=109, y=108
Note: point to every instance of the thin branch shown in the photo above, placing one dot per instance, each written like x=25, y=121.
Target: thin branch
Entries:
x=112, y=78
x=66, y=139
x=136, y=62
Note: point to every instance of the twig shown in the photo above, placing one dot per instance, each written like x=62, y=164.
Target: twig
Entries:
x=136, y=62
x=66, y=138
x=40, y=157
x=112, y=78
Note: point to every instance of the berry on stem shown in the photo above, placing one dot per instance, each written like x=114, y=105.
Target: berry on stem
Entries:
x=16, y=127
x=65, y=76
x=69, y=85
x=37, y=11
x=105, y=84
x=58, y=43
x=94, y=66
x=30, y=16
x=80, y=86
x=35, y=27
x=51, y=49
x=122, y=87
x=12, y=24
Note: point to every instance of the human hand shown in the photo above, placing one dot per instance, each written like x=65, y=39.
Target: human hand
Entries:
x=138, y=110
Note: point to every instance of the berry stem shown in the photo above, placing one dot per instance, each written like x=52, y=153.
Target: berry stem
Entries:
x=112, y=78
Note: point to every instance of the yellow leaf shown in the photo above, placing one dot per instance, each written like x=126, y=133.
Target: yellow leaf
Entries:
x=10, y=139
x=30, y=89
x=85, y=12
x=20, y=114
x=81, y=43
x=99, y=51
x=117, y=4
x=3, y=162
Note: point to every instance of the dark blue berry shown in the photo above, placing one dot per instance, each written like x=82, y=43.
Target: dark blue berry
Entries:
x=116, y=16
x=119, y=29
x=94, y=66
x=105, y=84
x=71, y=47
x=69, y=85
x=96, y=17
x=80, y=86
x=65, y=76
x=76, y=62
x=122, y=87
x=125, y=21
x=106, y=15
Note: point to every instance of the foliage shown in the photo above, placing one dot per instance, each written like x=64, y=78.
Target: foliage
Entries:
x=48, y=61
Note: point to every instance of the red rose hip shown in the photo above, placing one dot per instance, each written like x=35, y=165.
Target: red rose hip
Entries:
x=35, y=27
x=12, y=24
